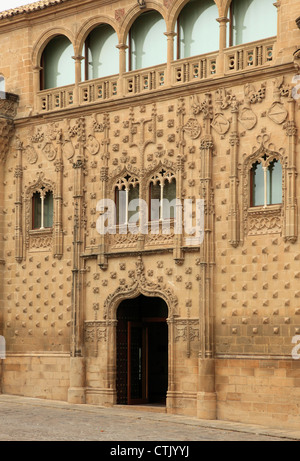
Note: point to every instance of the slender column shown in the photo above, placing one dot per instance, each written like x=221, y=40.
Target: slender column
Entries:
x=102, y=259
x=206, y=395
x=18, y=203
x=170, y=56
x=42, y=195
x=76, y=95
x=76, y=392
x=122, y=47
x=58, y=201
x=36, y=87
x=291, y=228
x=222, y=44
x=233, y=217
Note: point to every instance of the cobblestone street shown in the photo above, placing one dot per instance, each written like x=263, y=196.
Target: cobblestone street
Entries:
x=25, y=419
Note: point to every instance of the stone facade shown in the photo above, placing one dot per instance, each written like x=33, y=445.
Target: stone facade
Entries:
x=233, y=301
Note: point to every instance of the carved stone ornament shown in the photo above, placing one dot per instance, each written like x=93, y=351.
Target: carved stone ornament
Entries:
x=265, y=222
x=277, y=113
x=31, y=155
x=49, y=151
x=187, y=330
x=192, y=128
x=220, y=124
x=297, y=60
x=140, y=285
x=68, y=149
x=92, y=145
x=247, y=118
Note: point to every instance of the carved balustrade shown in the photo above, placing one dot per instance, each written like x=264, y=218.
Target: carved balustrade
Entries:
x=145, y=80
x=98, y=89
x=194, y=69
x=245, y=57
x=55, y=99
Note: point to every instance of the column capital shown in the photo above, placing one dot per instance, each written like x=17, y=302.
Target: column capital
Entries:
x=170, y=34
x=122, y=46
x=223, y=20
x=78, y=58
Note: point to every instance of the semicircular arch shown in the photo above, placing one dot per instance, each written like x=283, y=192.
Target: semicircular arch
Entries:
x=88, y=27
x=45, y=38
x=135, y=12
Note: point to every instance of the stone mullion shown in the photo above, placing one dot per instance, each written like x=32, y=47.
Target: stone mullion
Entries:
x=18, y=204
x=233, y=217
x=291, y=231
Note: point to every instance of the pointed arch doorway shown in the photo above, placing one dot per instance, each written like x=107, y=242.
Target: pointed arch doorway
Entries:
x=142, y=351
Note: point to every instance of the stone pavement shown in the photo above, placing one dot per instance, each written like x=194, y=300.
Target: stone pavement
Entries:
x=28, y=419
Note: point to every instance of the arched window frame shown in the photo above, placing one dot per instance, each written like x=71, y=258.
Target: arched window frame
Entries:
x=41, y=184
x=266, y=163
x=177, y=54
x=42, y=63
x=125, y=183
x=42, y=192
x=129, y=42
x=260, y=219
x=161, y=177
x=85, y=50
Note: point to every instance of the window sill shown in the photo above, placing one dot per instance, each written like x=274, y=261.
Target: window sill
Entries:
x=265, y=209
x=46, y=230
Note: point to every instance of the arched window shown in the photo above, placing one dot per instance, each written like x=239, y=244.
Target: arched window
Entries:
x=197, y=29
x=58, y=67
x=266, y=183
x=101, y=57
x=162, y=195
x=147, y=42
x=42, y=209
x=252, y=20
x=2, y=84
x=127, y=193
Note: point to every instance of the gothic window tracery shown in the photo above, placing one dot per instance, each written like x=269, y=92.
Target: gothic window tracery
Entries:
x=162, y=193
x=127, y=192
x=42, y=209
x=266, y=182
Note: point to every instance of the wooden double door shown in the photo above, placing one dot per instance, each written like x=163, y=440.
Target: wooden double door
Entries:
x=142, y=359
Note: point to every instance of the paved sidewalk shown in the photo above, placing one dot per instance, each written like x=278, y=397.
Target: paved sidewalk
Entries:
x=27, y=419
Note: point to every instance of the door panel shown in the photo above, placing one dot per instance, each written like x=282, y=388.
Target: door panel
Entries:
x=137, y=363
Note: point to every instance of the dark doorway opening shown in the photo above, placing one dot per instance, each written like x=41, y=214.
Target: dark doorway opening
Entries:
x=142, y=351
